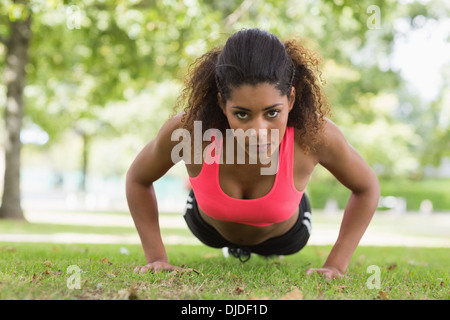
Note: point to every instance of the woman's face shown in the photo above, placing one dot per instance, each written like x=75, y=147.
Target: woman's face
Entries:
x=261, y=111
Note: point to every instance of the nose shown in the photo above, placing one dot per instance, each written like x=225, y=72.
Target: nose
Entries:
x=260, y=129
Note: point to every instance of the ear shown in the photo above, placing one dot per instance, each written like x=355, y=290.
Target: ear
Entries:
x=291, y=98
x=221, y=102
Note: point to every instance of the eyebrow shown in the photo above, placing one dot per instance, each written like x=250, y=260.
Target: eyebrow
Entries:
x=266, y=108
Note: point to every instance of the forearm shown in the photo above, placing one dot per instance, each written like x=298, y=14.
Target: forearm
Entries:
x=144, y=211
x=357, y=216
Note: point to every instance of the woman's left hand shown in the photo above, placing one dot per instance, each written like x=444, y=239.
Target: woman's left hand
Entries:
x=327, y=271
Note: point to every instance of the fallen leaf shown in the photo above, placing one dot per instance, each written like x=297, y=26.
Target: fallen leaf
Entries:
x=295, y=294
x=106, y=261
x=384, y=295
x=239, y=290
x=127, y=294
x=57, y=273
x=47, y=263
x=187, y=270
x=190, y=270
x=392, y=267
x=340, y=288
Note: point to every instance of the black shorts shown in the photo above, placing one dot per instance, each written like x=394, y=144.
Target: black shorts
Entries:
x=291, y=242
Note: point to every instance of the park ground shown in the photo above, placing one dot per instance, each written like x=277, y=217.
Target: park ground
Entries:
x=90, y=256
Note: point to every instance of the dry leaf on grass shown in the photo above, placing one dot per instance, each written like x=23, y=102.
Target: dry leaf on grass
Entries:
x=239, y=290
x=47, y=263
x=340, y=288
x=187, y=270
x=384, y=295
x=105, y=261
x=392, y=267
x=295, y=294
x=127, y=294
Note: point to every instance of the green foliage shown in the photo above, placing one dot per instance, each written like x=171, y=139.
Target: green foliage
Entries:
x=320, y=192
x=414, y=192
x=87, y=57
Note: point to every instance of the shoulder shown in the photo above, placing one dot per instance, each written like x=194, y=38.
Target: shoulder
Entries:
x=339, y=157
x=332, y=143
x=159, y=149
x=320, y=138
x=164, y=137
x=173, y=123
x=329, y=142
x=155, y=159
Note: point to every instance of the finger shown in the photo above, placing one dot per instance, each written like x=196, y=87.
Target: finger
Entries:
x=145, y=268
x=136, y=270
x=328, y=275
x=176, y=268
x=158, y=267
x=163, y=267
x=311, y=271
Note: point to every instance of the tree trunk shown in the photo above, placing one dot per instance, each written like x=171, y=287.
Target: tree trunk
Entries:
x=84, y=163
x=16, y=59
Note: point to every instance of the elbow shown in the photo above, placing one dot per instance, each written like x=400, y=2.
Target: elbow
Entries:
x=130, y=178
x=373, y=192
x=372, y=188
x=369, y=190
x=376, y=187
x=133, y=179
x=372, y=185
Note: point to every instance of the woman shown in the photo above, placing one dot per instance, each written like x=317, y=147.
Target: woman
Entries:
x=262, y=101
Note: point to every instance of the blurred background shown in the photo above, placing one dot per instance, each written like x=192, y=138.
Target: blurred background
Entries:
x=86, y=84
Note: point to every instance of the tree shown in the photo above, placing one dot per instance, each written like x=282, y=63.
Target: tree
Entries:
x=16, y=58
x=86, y=56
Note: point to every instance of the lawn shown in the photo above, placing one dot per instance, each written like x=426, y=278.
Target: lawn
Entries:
x=96, y=272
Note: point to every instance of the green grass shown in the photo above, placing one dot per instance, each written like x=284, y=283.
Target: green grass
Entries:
x=40, y=271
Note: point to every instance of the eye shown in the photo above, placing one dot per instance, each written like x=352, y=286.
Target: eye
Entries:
x=273, y=113
x=241, y=115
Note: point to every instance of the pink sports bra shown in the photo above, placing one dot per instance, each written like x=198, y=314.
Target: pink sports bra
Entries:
x=278, y=205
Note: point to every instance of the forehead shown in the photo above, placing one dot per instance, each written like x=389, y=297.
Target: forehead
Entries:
x=262, y=95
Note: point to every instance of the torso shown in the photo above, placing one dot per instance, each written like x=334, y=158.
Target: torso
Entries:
x=244, y=181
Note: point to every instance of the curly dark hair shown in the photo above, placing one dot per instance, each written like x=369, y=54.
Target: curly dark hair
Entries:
x=254, y=56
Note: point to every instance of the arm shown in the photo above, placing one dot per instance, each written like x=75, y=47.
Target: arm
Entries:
x=353, y=172
x=150, y=164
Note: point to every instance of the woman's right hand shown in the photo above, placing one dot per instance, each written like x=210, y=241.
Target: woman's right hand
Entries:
x=157, y=266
